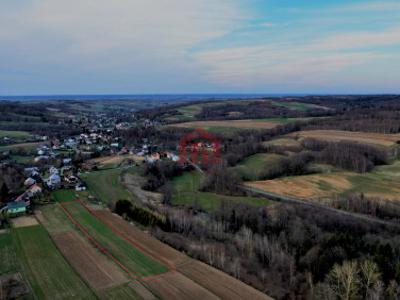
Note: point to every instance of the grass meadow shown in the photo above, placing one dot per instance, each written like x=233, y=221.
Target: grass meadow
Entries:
x=186, y=193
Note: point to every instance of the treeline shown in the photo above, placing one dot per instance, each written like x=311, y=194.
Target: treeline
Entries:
x=33, y=117
x=347, y=155
x=248, y=142
x=141, y=215
x=251, y=110
x=158, y=173
x=360, y=113
x=375, y=207
x=11, y=180
x=289, y=252
x=164, y=138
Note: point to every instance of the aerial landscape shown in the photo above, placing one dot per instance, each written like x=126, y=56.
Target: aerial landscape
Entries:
x=200, y=150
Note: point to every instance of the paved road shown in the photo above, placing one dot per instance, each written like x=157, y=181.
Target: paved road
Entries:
x=291, y=200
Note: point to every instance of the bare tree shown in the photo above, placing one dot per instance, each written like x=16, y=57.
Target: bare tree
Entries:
x=344, y=280
x=369, y=276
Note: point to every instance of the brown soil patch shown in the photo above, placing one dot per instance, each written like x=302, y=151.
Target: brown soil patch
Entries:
x=174, y=285
x=24, y=221
x=219, y=283
x=91, y=265
x=243, y=124
x=306, y=187
x=379, y=139
x=148, y=244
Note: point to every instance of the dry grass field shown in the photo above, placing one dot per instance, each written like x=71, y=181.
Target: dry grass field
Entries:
x=226, y=125
x=382, y=182
x=286, y=141
x=24, y=221
x=114, y=161
x=309, y=187
x=378, y=139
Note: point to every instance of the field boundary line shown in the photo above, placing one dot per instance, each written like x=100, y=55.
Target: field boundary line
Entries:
x=69, y=202
x=65, y=258
x=122, y=235
x=96, y=244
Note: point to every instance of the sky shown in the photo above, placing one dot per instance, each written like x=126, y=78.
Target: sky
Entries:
x=199, y=46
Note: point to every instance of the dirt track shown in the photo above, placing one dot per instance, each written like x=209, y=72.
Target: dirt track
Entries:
x=99, y=272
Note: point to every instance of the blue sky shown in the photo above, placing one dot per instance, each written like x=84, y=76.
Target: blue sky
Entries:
x=192, y=46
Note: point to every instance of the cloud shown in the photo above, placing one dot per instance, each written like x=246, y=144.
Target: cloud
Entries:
x=370, y=6
x=60, y=46
x=120, y=36
x=310, y=63
x=359, y=39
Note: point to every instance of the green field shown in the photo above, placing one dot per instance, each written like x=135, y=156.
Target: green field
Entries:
x=22, y=159
x=137, y=262
x=121, y=293
x=55, y=220
x=299, y=106
x=186, y=193
x=8, y=258
x=106, y=185
x=189, y=112
x=64, y=195
x=253, y=167
x=23, y=146
x=14, y=134
x=46, y=270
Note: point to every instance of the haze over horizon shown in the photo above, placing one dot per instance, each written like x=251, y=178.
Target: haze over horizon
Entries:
x=209, y=46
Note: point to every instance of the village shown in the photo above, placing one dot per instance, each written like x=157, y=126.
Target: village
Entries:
x=57, y=163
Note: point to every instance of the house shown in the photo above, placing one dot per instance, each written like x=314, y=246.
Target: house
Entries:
x=29, y=182
x=67, y=161
x=35, y=190
x=16, y=209
x=80, y=187
x=32, y=171
x=124, y=150
x=153, y=157
x=41, y=158
x=53, y=170
x=53, y=181
x=72, y=179
x=172, y=156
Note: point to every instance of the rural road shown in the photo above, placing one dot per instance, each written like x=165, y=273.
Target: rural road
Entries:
x=291, y=200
